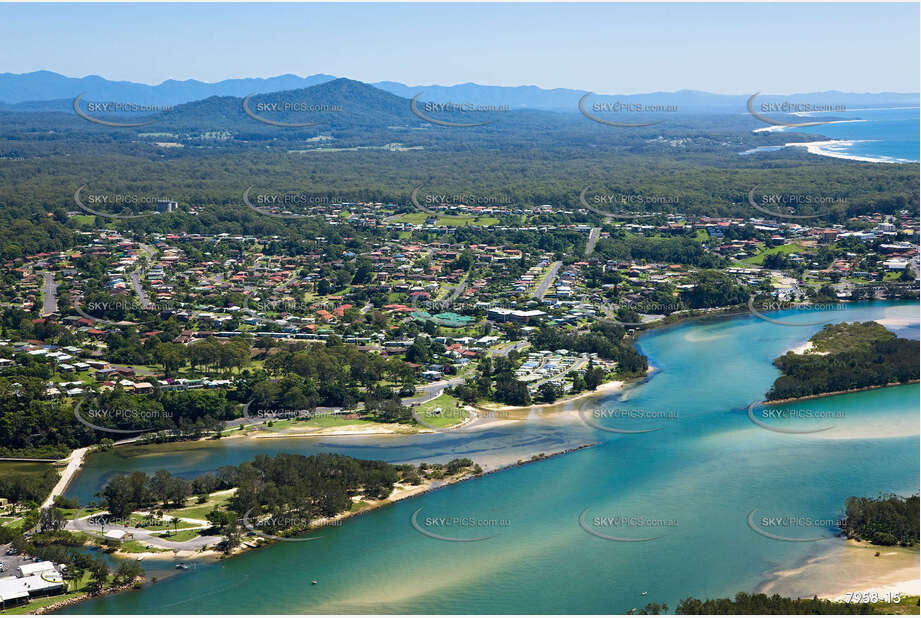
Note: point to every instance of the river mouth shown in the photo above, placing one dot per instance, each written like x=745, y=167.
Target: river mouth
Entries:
x=704, y=472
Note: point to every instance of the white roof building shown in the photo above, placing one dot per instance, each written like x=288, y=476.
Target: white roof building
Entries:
x=34, y=568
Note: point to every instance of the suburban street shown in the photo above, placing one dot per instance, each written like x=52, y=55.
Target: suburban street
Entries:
x=135, y=278
x=50, y=295
x=547, y=280
x=592, y=239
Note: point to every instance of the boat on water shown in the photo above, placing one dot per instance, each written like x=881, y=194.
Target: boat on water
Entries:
x=182, y=565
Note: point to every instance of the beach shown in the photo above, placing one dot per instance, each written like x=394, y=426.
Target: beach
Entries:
x=603, y=389
x=849, y=566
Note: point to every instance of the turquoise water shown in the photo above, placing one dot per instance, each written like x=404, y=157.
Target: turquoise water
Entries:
x=883, y=134
x=704, y=472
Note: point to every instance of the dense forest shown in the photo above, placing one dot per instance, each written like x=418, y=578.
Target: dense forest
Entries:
x=887, y=520
x=851, y=356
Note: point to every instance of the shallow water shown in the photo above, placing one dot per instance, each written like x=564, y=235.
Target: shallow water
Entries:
x=702, y=473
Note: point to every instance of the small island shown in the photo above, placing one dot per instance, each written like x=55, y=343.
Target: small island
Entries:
x=845, y=357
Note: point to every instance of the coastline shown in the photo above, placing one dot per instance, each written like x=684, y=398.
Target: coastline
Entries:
x=893, y=581
x=833, y=393
x=848, y=566
x=399, y=494
x=825, y=148
x=603, y=389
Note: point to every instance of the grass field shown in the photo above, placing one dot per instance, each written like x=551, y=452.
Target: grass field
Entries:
x=181, y=536
x=321, y=422
x=758, y=259
x=200, y=511
x=138, y=521
x=418, y=218
x=451, y=413
x=136, y=547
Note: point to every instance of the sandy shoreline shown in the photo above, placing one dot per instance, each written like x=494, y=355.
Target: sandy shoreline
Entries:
x=849, y=566
x=400, y=493
x=603, y=389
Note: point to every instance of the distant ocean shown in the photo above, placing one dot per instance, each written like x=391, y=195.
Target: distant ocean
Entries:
x=882, y=135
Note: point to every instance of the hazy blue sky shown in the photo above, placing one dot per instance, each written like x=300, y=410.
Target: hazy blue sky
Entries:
x=611, y=48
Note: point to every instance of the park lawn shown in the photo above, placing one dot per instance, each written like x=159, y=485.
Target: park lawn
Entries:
x=68, y=513
x=181, y=536
x=418, y=218
x=452, y=413
x=702, y=235
x=83, y=219
x=357, y=506
x=758, y=259
x=138, y=522
x=15, y=526
x=136, y=547
x=321, y=422
x=200, y=511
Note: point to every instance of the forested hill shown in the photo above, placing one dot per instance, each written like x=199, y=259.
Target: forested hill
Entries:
x=846, y=356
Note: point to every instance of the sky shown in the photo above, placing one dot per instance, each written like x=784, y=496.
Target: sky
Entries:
x=605, y=48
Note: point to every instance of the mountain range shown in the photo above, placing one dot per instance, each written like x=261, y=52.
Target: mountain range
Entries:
x=49, y=91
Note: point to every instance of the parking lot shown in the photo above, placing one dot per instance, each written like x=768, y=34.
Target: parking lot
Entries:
x=11, y=563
